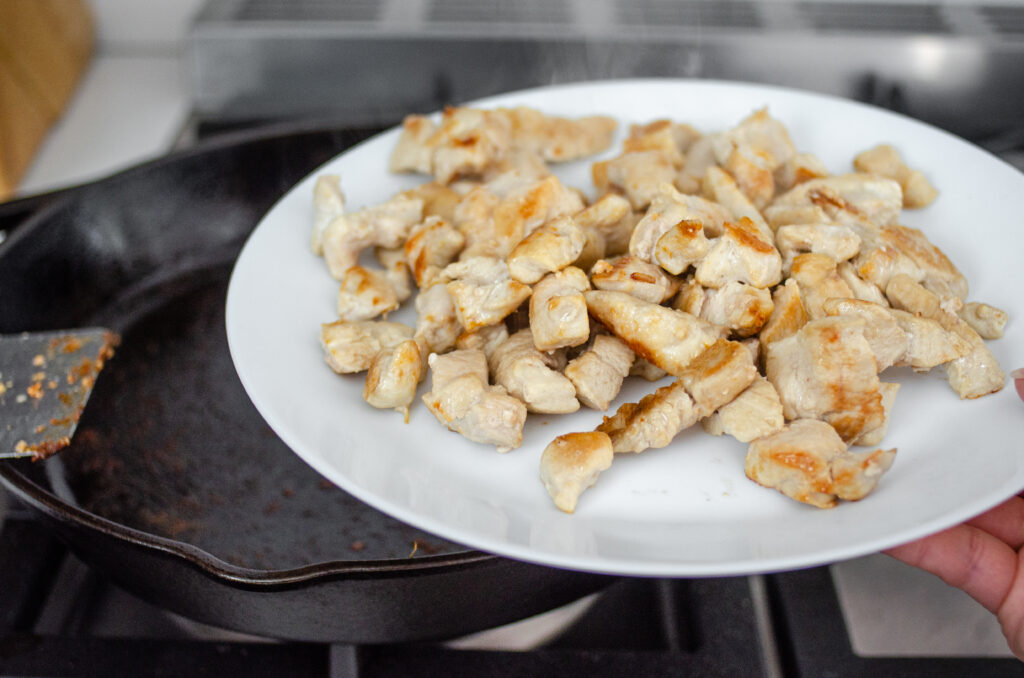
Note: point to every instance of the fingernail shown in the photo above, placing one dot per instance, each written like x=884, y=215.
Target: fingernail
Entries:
x=1018, y=379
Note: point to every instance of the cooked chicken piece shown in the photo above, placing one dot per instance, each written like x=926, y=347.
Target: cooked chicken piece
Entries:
x=412, y=153
x=843, y=199
x=365, y=293
x=862, y=289
x=664, y=336
x=598, y=372
x=690, y=298
x=595, y=248
x=461, y=400
x=517, y=365
x=808, y=462
x=872, y=438
x=740, y=254
x=652, y=422
x=987, y=321
x=611, y=216
x=430, y=247
x=396, y=270
x=438, y=200
x=474, y=210
x=827, y=371
x=739, y=308
x=760, y=133
x=671, y=138
x=838, y=242
x=970, y=376
x=668, y=208
x=699, y=157
x=558, y=311
x=485, y=339
x=467, y=142
x=560, y=139
x=549, y=248
x=350, y=347
x=682, y=246
x=638, y=175
x=939, y=274
x=646, y=370
x=928, y=344
x=515, y=171
x=483, y=291
x=386, y=224
x=798, y=169
x=437, y=324
x=818, y=280
x=633, y=276
x=516, y=216
x=788, y=314
x=718, y=186
x=753, y=346
x=752, y=171
x=877, y=264
x=393, y=376
x=887, y=339
x=719, y=374
x=885, y=161
x=752, y=414
x=572, y=463
x=328, y=203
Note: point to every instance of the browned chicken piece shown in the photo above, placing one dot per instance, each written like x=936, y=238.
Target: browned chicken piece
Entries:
x=467, y=142
x=646, y=370
x=798, y=169
x=862, y=289
x=719, y=374
x=551, y=247
x=827, y=371
x=364, y=294
x=393, y=376
x=939, y=274
x=872, y=438
x=396, y=270
x=761, y=134
x=572, y=463
x=818, y=280
x=753, y=173
x=461, y=399
x=517, y=365
x=612, y=217
x=970, y=376
x=681, y=246
x=412, y=153
x=514, y=171
x=328, y=203
x=633, y=276
x=788, y=314
x=699, y=157
x=928, y=343
x=438, y=200
x=808, y=462
x=437, y=324
x=755, y=413
x=664, y=336
x=558, y=311
x=560, y=139
x=740, y=254
x=690, y=298
x=474, y=210
x=720, y=187
x=671, y=138
x=485, y=339
x=386, y=224
x=843, y=199
x=516, y=216
x=652, y=422
x=877, y=264
x=739, y=308
x=887, y=339
x=637, y=175
x=350, y=347
x=598, y=372
x=885, y=161
x=483, y=291
x=838, y=242
x=987, y=321
x=668, y=208
x=430, y=247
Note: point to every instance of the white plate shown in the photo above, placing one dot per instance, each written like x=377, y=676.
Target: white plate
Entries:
x=688, y=509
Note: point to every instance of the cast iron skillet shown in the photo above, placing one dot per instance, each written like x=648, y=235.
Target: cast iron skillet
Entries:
x=174, y=486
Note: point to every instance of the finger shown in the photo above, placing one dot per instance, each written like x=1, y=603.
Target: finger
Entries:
x=1005, y=522
x=968, y=558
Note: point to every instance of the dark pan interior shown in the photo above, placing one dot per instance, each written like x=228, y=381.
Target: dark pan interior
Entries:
x=170, y=443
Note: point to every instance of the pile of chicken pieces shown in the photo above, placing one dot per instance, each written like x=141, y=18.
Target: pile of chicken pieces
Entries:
x=773, y=292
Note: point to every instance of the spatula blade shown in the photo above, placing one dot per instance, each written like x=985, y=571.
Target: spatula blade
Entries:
x=45, y=380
